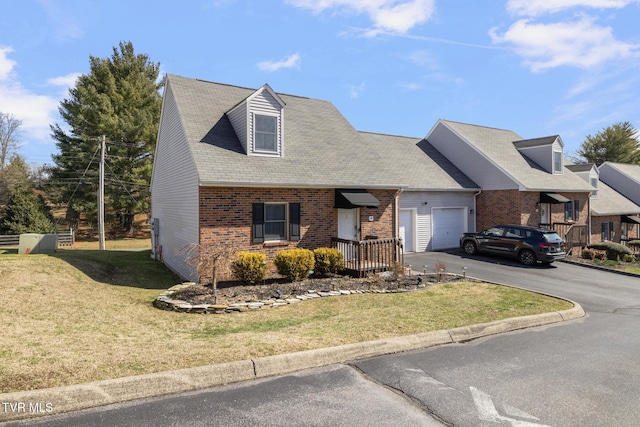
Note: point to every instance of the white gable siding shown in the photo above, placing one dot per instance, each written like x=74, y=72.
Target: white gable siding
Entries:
x=620, y=182
x=174, y=190
x=238, y=119
x=469, y=160
x=434, y=199
x=264, y=103
x=541, y=155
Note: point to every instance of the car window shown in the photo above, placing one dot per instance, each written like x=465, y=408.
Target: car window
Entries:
x=494, y=231
x=551, y=237
x=514, y=232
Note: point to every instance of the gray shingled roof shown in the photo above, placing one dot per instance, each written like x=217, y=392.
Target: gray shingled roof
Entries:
x=418, y=164
x=632, y=171
x=497, y=145
x=610, y=202
x=321, y=148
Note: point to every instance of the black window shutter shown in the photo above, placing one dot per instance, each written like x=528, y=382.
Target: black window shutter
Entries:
x=577, y=210
x=258, y=222
x=567, y=211
x=294, y=221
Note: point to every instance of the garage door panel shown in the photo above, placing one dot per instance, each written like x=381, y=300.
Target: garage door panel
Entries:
x=448, y=225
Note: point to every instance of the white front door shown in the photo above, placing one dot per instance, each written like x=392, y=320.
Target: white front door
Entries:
x=545, y=213
x=348, y=224
x=407, y=229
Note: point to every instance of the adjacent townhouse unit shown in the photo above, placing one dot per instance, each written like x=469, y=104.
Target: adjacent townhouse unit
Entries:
x=624, y=179
x=522, y=181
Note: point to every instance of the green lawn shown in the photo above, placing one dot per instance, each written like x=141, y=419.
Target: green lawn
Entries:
x=83, y=315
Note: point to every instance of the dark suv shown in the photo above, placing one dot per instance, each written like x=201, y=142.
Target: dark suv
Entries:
x=528, y=244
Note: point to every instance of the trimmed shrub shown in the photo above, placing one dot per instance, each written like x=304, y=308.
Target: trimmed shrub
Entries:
x=250, y=267
x=294, y=264
x=629, y=258
x=328, y=261
x=615, y=251
x=587, y=254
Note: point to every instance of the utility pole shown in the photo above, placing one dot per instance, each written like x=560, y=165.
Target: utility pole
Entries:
x=101, y=242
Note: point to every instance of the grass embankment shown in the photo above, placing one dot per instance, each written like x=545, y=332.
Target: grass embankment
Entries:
x=86, y=315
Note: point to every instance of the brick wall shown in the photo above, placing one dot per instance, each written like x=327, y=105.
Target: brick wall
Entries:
x=497, y=207
x=520, y=207
x=226, y=216
x=596, y=228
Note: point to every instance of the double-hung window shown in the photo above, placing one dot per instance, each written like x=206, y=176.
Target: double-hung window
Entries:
x=557, y=162
x=607, y=231
x=274, y=222
x=572, y=211
x=265, y=133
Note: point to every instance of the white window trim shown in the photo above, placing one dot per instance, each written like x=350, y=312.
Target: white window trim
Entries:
x=557, y=171
x=264, y=152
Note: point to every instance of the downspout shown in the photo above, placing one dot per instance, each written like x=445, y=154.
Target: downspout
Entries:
x=475, y=211
x=397, y=214
x=589, y=220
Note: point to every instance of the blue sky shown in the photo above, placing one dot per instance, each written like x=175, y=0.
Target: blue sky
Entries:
x=537, y=67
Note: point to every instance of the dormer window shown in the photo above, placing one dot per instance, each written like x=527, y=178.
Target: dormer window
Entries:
x=266, y=133
x=259, y=123
x=557, y=162
x=594, y=184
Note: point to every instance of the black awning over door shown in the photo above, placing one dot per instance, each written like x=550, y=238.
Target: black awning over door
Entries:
x=630, y=219
x=553, y=198
x=351, y=199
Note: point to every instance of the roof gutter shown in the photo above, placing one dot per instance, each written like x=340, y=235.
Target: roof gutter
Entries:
x=298, y=185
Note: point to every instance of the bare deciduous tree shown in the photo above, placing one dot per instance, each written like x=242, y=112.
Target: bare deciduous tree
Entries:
x=9, y=136
x=210, y=261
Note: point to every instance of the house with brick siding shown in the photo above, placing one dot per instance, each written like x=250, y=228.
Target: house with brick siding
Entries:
x=265, y=171
x=261, y=171
x=522, y=181
x=622, y=181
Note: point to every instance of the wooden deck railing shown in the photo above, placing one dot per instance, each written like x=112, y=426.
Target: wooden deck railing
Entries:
x=574, y=235
x=369, y=256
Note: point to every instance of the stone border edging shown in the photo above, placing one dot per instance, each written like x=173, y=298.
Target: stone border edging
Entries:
x=106, y=392
x=165, y=301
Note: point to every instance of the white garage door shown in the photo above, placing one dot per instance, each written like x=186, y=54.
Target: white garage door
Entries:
x=448, y=224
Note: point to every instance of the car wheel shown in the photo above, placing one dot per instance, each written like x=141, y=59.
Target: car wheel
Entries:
x=527, y=257
x=469, y=247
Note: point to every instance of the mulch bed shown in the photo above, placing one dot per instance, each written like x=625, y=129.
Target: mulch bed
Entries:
x=229, y=293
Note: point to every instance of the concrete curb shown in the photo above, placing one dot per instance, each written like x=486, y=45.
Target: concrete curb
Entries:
x=52, y=401
x=601, y=268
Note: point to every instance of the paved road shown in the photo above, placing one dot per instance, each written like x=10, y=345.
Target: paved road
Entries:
x=578, y=373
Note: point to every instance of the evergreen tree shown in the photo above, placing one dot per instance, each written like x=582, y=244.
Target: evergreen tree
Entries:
x=119, y=98
x=617, y=143
x=25, y=211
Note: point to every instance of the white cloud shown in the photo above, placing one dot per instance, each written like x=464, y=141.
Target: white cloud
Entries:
x=35, y=110
x=541, y=7
x=292, y=61
x=580, y=43
x=387, y=15
x=67, y=81
x=6, y=64
x=356, y=91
